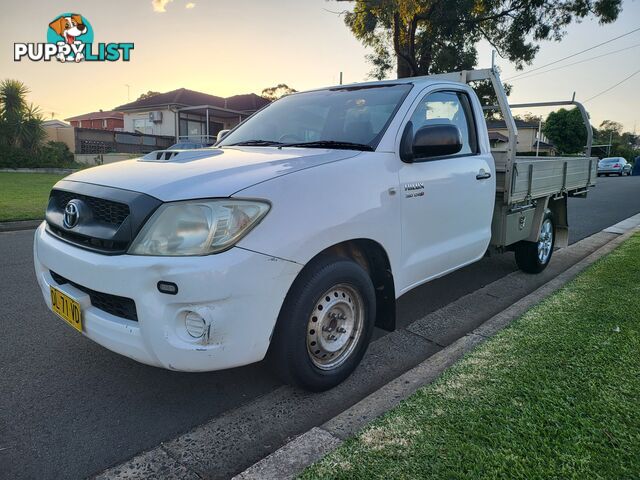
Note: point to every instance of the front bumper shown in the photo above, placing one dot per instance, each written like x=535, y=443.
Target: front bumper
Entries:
x=238, y=292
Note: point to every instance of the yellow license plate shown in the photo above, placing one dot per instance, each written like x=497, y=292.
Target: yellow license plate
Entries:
x=66, y=308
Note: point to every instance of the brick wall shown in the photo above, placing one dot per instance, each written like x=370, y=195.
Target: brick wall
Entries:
x=99, y=123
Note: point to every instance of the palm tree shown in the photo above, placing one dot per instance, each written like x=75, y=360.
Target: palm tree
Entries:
x=31, y=134
x=20, y=124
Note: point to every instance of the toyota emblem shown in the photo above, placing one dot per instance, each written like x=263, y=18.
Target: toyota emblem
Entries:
x=71, y=214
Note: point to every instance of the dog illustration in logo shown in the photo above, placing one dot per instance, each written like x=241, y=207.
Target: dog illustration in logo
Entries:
x=69, y=28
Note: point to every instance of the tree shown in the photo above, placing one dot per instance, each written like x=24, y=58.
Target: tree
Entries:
x=566, y=130
x=149, y=94
x=528, y=117
x=622, y=143
x=431, y=36
x=487, y=95
x=610, y=127
x=280, y=90
x=20, y=123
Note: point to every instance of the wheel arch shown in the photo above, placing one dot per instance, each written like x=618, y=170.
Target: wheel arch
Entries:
x=373, y=257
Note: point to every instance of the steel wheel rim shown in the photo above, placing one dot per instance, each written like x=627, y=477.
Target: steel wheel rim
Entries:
x=545, y=244
x=335, y=326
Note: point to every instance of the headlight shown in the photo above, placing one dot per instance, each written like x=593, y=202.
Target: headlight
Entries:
x=197, y=227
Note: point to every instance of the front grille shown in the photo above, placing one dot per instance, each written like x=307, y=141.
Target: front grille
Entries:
x=108, y=218
x=90, y=242
x=105, y=211
x=122, y=307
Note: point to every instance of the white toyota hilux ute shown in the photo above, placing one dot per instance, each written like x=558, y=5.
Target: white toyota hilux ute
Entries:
x=294, y=236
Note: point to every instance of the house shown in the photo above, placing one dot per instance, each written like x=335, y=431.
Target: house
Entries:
x=187, y=114
x=527, y=137
x=55, y=123
x=59, y=131
x=100, y=120
x=498, y=141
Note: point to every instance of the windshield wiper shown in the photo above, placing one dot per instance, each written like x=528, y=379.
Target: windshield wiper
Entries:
x=330, y=144
x=253, y=143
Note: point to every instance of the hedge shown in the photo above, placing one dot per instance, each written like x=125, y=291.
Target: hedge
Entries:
x=52, y=155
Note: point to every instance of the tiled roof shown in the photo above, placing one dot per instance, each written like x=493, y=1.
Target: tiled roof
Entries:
x=191, y=98
x=247, y=102
x=501, y=125
x=97, y=116
x=496, y=136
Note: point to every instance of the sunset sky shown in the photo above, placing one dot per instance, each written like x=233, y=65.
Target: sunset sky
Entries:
x=232, y=47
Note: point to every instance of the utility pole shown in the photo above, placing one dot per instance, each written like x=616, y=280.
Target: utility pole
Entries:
x=128, y=87
x=539, y=137
x=609, y=146
x=340, y=78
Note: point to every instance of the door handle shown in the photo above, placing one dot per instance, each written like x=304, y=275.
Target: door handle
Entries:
x=482, y=175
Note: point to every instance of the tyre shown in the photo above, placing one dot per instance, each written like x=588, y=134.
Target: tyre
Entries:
x=325, y=324
x=533, y=257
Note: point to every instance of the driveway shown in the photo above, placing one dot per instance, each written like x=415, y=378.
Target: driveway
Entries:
x=69, y=408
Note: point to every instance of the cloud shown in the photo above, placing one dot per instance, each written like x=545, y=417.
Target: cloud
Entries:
x=190, y=5
x=159, y=5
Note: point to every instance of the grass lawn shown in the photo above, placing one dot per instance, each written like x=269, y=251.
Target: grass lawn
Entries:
x=23, y=196
x=555, y=395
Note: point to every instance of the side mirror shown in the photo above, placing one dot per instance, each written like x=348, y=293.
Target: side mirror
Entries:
x=222, y=134
x=430, y=141
x=436, y=141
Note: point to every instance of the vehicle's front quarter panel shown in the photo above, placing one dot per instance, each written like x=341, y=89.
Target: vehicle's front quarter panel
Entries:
x=313, y=209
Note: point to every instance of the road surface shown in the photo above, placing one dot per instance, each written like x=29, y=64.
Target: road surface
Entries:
x=70, y=408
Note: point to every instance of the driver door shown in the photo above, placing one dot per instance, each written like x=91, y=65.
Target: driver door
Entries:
x=447, y=201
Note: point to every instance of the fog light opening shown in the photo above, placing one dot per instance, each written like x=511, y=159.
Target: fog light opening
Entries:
x=195, y=325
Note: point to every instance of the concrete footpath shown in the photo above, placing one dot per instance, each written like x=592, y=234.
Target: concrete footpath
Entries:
x=19, y=225
x=300, y=427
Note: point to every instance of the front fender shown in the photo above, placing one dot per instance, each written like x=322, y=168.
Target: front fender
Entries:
x=319, y=207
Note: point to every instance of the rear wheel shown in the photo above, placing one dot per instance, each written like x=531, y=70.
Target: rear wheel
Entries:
x=533, y=257
x=325, y=324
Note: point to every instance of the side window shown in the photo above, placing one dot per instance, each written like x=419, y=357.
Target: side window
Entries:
x=448, y=108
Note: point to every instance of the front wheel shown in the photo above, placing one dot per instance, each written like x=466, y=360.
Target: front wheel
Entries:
x=325, y=324
x=533, y=257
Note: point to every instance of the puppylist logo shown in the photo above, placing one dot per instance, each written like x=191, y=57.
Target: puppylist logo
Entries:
x=70, y=39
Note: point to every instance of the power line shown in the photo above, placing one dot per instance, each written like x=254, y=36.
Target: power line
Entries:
x=573, y=55
x=576, y=63
x=614, y=86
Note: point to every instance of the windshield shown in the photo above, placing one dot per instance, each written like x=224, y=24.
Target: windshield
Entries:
x=348, y=117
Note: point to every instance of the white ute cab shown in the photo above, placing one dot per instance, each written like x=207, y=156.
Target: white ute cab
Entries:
x=294, y=236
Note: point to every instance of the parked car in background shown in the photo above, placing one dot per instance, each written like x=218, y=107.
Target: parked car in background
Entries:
x=189, y=145
x=615, y=165
x=636, y=167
